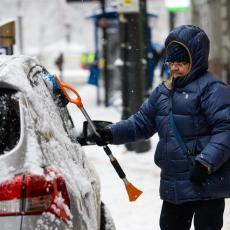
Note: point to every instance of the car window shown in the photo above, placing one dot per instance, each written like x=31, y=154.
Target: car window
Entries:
x=9, y=120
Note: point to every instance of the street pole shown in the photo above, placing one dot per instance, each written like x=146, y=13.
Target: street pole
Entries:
x=20, y=27
x=104, y=25
x=124, y=67
x=124, y=45
x=96, y=25
x=143, y=146
x=144, y=41
x=172, y=17
x=20, y=34
x=134, y=68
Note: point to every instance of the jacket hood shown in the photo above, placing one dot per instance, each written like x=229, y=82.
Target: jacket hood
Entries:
x=197, y=44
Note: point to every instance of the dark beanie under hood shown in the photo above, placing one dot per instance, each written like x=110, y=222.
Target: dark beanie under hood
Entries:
x=177, y=53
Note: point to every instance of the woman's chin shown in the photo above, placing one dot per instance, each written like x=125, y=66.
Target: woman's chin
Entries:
x=177, y=76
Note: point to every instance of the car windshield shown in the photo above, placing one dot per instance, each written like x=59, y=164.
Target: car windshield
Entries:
x=9, y=120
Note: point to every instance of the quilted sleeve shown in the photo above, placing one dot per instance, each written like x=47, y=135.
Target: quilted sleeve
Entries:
x=138, y=126
x=215, y=102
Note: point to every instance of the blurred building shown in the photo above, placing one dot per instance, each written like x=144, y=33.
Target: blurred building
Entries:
x=54, y=25
x=214, y=17
x=49, y=28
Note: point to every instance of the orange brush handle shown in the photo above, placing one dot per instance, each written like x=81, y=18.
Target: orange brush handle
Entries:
x=63, y=86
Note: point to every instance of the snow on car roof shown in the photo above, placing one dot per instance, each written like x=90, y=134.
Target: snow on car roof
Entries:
x=13, y=70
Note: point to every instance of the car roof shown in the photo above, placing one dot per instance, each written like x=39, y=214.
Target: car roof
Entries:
x=14, y=70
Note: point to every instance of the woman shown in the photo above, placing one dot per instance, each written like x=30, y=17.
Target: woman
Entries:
x=191, y=114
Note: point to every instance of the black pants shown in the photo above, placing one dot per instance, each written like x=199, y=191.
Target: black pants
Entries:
x=208, y=215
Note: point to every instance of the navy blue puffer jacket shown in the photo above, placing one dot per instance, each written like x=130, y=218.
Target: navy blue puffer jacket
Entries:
x=201, y=110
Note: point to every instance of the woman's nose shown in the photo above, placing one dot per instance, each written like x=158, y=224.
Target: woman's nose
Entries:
x=174, y=68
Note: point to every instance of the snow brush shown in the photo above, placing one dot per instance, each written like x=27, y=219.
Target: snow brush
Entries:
x=132, y=191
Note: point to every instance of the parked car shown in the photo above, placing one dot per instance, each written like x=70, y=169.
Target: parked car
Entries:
x=46, y=181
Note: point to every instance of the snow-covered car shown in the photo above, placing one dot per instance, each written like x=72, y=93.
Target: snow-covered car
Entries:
x=46, y=181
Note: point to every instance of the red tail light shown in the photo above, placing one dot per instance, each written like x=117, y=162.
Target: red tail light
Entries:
x=32, y=194
x=10, y=196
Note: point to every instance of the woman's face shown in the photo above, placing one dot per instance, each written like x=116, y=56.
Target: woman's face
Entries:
x=179, y=69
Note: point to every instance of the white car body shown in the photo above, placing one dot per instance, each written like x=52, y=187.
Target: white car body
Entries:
x=47, y=150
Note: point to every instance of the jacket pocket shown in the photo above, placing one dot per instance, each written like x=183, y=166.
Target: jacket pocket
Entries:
x=167, y=190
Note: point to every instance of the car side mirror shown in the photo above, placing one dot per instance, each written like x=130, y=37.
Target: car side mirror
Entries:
x=85, y=137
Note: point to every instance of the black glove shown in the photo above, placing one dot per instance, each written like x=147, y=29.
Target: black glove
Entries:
x=199, y=174
x=105, y=138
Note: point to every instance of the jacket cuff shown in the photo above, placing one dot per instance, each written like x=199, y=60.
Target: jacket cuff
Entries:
x=204, y=163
